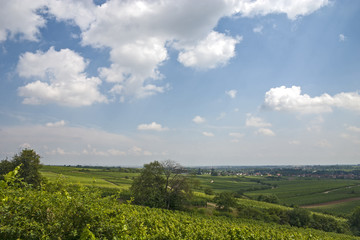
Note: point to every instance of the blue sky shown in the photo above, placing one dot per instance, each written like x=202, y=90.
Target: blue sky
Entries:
x=239, y=82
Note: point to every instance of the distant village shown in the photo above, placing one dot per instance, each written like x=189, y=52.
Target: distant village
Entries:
x=334, y=172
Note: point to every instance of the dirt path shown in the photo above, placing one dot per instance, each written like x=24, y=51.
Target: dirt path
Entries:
x=331, y=203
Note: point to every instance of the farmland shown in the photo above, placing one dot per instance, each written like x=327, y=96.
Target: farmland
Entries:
x=291, y=191
x=97, y=204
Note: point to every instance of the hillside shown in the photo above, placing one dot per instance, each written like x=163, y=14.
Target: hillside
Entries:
x=63, y=211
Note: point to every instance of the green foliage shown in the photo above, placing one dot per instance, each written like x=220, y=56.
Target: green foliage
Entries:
x=224, y=201
x=161, y=185
x=299, y=217
x=354, y=221
x=209, y=191
x=295, y=217
x=29, y=170
x=58, y=210
x=271, y=198
x=148, y=189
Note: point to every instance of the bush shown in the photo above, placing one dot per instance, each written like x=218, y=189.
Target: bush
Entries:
x=299, y=217
x=209, y=191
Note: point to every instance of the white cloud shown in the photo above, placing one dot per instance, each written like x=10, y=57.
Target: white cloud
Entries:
x=137, y=151
x=292, y=8
x=291, y=100
x=353, y=139
x=342, y=37
x=294, y=142
x=59, y=78
x=315, y=125
x=265, y=132
x=258, y=29
x=256, y=122
x=198, y=119
x=81, y=12
x=213, y=51
x=138, y=35
x=208, y=134
x=221, y=116
x=20, y=17
x=56, y=124
x=231, y=93
x=323, y=143
x=25, y=145
x=353, y=129
x=236, y=134
x=152, y=126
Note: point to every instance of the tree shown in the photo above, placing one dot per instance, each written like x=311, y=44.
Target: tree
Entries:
x=29, y=170
x=161, y=185
x=299, y=217
x=354, y=221
x=225, y=200
x=148, y=189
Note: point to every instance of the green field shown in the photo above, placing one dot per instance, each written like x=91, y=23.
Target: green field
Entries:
x=290, y=191
x=341, y=209
x=101, y=177
x=301, y=191
x=61, y=211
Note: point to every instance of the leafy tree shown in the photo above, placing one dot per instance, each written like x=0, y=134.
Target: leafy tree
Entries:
x=354, y=221
x=209, y=191
x=299, y=217
x=225, y=200
x=271, y=198
x=161, y=185
x=29, y=170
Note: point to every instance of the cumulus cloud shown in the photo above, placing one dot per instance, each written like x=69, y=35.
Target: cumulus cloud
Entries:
x=80, y=12
x=256, y=122
x=292, y=8
x=58, y=78
x=152, y=126
x=56, y=124
x=198, y=119
x=215, y=50
x=208, y=134
x=265, y=132
x=138, y=35
x=19, y=17
x=291, y=100
x=231, y=93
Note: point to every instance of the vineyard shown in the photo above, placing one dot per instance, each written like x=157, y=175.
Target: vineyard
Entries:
x=58, y=210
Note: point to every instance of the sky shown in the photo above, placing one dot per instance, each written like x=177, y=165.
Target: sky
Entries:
x=202, y=83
